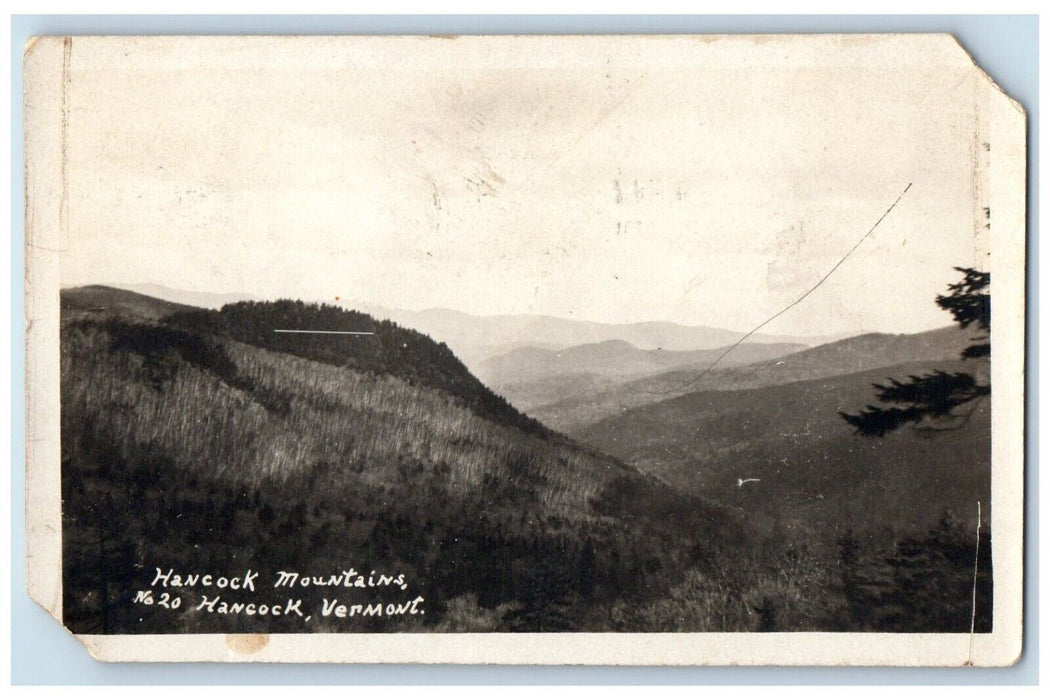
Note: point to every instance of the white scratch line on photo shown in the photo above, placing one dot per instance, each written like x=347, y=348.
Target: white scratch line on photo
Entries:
x=283, y=330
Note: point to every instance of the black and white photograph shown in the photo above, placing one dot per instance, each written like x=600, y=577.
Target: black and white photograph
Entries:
x=382, y=338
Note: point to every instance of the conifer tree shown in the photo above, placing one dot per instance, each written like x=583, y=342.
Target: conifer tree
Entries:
x=937, y=399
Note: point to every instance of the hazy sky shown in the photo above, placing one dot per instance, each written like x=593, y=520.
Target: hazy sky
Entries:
x=640, y=179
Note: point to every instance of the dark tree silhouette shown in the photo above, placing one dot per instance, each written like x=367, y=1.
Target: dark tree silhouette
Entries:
x=937, y=396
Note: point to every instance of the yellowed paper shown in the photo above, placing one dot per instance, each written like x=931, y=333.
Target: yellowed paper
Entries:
x=525, y=350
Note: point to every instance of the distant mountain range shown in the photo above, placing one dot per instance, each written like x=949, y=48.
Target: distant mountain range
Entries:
x=517, y=373
x=204, y=300
x=475, y=339
x=652, y=495
x=573, y=407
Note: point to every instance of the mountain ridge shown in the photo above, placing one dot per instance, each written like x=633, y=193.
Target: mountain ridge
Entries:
x=388, y=348
x=611, y=359
x=472, y=335
x=469, y=332
x=858, y=353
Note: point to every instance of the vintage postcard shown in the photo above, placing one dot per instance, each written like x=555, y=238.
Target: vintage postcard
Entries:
x=525, y=350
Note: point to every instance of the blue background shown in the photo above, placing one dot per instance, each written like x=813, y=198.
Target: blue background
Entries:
x=42, y=652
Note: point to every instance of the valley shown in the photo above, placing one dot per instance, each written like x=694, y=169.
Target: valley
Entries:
x=596, y=487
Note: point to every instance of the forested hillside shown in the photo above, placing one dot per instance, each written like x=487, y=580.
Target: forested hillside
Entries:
x=189, y=449
x=811, y=464
x=201, y=441
x=390, y=349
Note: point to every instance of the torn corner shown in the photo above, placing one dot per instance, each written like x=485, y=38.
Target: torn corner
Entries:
x=30, y=43
x=35, y=44
x=991, y=81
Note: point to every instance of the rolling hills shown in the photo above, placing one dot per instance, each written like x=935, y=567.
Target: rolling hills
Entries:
x=475, y=338
x=573, y=411
x=891, y=518
x=614, y=359
x=811, y=466
x=200, y=440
